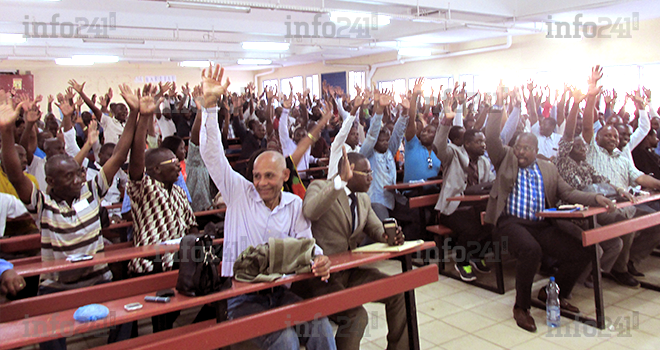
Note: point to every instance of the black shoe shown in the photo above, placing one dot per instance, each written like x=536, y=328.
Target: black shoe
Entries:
x=465, y=272
x=625, y=279
x=633, y=271
x=480, y=265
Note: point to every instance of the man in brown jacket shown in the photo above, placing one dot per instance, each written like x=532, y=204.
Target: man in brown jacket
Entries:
x=523, y=187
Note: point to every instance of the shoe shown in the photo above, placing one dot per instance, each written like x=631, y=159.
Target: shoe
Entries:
x=563, y=303
x=480, y=265
x=589, y=282
x=633, y=271
x=625, y=278
x=465, y=272
x=524, y=319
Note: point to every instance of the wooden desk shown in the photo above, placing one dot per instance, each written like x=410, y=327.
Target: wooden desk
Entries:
x=37, y=268
x=469, y=198
x=593, y=236
x=45, y=327
x=33, y=241
x=409, y=186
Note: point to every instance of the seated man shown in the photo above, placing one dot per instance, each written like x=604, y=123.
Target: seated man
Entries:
x=573, y=168
x=523, y=187
x=615, y=166
x=327, y=204
x=464, y=166
x=255, y=213
x=160, y=210
x=645, y=157
x=68, y=211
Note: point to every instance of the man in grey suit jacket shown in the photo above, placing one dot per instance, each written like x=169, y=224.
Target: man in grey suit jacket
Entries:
x=523, y=187
x=341, y=216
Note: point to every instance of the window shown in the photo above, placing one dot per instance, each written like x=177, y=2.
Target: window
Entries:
x=269, y=83
x=296, y=82
x=312, y=83
x=432, y=83
x=355, y=78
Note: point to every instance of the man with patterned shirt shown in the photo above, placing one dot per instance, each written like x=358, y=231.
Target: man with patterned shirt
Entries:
x=523, y=187
x=609, y=161
x=160, y=210
x=68, y=212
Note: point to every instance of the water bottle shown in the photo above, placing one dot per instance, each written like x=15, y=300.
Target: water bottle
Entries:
x=552, y=313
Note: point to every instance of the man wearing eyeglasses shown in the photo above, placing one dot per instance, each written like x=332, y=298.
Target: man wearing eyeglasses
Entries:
x=160, y=210
x=523, y=187
x=341, y=216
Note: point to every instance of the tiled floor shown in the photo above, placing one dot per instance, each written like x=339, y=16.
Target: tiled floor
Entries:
x=455, y=315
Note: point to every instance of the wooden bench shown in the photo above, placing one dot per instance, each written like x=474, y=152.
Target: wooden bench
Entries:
x=33, y=241
x=47, y=326
x=209, y=335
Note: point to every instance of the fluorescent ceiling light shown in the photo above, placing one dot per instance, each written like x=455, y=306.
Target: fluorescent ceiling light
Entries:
x=414, y=51
x=265, y=46
x=72, y=62
x=253, y=61
x=195, y=64
x=203, y=6
x=11, y=38
x=357, y=18
x=96, y=58
x=113, y=41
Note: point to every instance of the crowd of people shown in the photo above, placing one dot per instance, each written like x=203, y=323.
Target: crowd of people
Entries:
x=66, y=167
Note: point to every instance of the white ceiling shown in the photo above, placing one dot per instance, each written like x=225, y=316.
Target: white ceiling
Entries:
x=149, y=31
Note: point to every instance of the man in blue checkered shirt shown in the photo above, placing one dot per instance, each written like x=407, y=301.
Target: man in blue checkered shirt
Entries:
x=523, y=187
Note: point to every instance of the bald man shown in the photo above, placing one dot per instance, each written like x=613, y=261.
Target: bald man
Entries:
x=257, y=211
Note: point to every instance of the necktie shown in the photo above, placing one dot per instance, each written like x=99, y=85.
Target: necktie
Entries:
x=353, y=206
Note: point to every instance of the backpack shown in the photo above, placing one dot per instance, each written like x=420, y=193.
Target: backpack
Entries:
x=198, y=266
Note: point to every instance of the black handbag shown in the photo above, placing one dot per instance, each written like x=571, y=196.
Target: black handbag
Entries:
x=198, y=266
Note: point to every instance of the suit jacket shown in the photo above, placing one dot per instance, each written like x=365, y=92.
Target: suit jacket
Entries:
x=506, y=166
x=331, y=218
x=455, y=161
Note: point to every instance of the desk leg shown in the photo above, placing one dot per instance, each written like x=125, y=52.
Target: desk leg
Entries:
x=411, y=306
x=598, y=286
x=598, y=289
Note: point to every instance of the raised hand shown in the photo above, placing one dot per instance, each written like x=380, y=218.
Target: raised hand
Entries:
x=357, y=101
x=8, y=113
x=212, y=85
x=148, y=104
x=405, y=102
x=77, y=87
x=530, y=85
x=198, y=98
x=417, y=88
x=64, y=105
x=449, y=112
x=346, y=169
x=50, y=99
x=79, y=102
x=578, y=96
x=92, y=132
x=647, y=92
x=286, y=102
x=596, y=75
x=132, y=98
x=69, y=94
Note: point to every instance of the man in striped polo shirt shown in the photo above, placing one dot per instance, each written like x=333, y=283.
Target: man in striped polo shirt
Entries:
x=68, y=213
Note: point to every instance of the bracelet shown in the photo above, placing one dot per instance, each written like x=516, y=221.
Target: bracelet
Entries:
x=314, y=139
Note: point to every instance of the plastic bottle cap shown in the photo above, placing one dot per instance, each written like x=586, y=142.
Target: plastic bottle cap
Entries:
x=552, y=278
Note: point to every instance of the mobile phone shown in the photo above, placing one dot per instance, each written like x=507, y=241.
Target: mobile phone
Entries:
x=132, y=306
x=390, y=226
x=154, y=299
x=165, y=293
x=79, y=257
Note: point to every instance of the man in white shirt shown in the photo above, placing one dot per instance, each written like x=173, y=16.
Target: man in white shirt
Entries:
x=10, y=207
x=256, y=212
x=548, y=139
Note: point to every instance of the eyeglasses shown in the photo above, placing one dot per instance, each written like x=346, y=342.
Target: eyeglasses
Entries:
x=169, y=161
x=368, y=173
x=430, y=161
x=525, y=149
